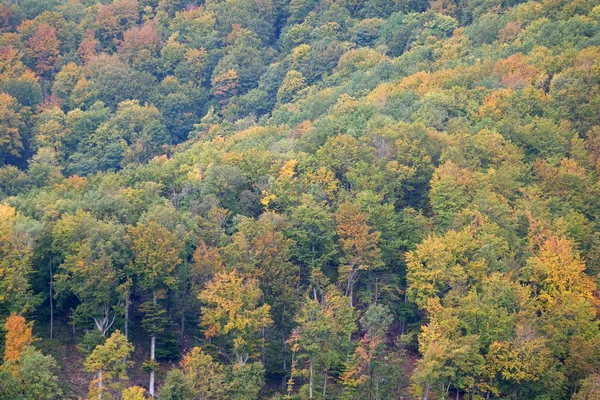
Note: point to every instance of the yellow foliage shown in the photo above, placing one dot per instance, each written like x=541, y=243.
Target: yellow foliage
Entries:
x=18, y=337
x=287, y=171
x=134, y=393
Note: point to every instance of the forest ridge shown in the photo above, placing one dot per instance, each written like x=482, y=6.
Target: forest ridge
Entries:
x=299, y=199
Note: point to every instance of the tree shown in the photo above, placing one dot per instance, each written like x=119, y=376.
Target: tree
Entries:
x=523, y=359
x=292, y=83
x=11, y=124
x=323, y=336
x=232, y=309
x=109, y=362
x=134, y=393
x=133, y=134
x=65, y=82
x=18, y=337
x=15, y=263
x=45, y=49
x=157, y=253
x=35, y=378
x=369, y=372
x=200, y=377
x=359, y=243
x=87, y=47
x=92, y=254
x=225, y=86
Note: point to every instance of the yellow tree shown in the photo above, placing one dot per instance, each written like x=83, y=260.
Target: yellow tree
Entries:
x=18, y=337
x=109, y=362
x=232, y=309
x=134, y=393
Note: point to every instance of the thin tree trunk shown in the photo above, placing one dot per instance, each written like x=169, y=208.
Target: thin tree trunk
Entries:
x=152, y=350
x=51, y=303
x=426, y=392
x=283, y=360
x=127, y=316
x=457, y=394
x=310, y=386
x=325, y=385
x=100, y=385
x=182, y=335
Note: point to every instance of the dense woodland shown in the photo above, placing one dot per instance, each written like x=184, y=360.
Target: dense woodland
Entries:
x=299, y=199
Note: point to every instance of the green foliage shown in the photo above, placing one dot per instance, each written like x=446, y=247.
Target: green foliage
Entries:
x=252, y=176
x=35, y=378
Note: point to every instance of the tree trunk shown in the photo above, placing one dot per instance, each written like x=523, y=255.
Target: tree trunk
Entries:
x=51, y=303
x=127, y=316
x=152, y=350
x=182, y=335
x=426, y=392
x=100, y=385
x=310, y=385
x=283, y=360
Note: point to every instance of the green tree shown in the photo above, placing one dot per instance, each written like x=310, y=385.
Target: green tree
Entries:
x=109, y=362
x=157, y=252
x=323, y=336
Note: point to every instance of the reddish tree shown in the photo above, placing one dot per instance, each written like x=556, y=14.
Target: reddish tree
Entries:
x=44, y=46
x=87, y=48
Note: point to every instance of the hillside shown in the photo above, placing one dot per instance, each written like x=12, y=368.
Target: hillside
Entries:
x=269, y=199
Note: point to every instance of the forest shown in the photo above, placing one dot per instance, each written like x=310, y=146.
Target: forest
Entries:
x=299, y=199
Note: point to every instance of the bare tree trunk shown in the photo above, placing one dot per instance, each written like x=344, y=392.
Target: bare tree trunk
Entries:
x=51, y=303
x=283, y=360
x=152, y=350
x=100, y=385
x=182, y=335
x=426, y=392
x=127, y=316
x=325, y=385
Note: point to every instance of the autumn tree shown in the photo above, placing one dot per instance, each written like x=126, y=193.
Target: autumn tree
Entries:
x=11, y=124
x=370, y=372
x=232, y=310
x=359, y=245
x=45, y=49
x=157, y=252
x=109, y=362
x=200, y=376
x=225, y=86
x=18, y=337
x=134, y=393
x=323, y=337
